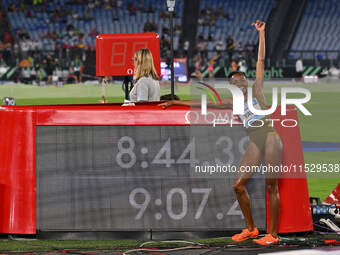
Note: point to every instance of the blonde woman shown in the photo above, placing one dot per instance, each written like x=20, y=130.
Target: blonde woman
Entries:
x=146, y=87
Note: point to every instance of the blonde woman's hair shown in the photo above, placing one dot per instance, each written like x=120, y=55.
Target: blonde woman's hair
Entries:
x=144, y=66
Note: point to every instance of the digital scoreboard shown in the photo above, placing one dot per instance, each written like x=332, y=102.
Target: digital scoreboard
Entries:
x=105, y=167
x=140, y=178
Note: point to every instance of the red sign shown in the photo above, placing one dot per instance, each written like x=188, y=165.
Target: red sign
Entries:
x=114, y=56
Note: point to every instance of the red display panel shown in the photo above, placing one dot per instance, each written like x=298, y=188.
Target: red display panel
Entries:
x=114, y=52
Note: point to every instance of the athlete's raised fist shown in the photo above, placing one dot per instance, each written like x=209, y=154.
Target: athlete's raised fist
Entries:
x=259, y=25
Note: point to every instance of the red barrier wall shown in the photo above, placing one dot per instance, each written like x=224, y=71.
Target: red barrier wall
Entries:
x=295, y=213
x=18, y=170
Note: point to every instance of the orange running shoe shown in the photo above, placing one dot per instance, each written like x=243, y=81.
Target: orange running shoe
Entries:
x=266, y=240
x=245, y=235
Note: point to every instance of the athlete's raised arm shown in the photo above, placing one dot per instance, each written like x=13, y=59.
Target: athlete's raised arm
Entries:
x=258, y=85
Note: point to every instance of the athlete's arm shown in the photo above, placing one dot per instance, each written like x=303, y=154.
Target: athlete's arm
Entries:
x=226, y=103
x=258, y=85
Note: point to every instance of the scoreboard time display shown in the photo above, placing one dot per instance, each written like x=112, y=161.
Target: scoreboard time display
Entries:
x=107, y=178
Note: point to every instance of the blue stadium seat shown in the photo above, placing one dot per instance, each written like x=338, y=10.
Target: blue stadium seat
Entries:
x=102, y=20
x=319, y=28
x=241, y=15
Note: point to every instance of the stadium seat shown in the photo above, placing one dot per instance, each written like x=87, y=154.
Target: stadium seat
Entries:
x=241, y=15
x=319, y=28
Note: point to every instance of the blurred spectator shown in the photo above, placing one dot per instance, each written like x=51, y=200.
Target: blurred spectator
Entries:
x=28, y=13
x=3, y=66
x=150, y=9
x=25, y=47
x=198, y=62
x=141, y=7
x=202, y=46
x=94, y=33
x=299, y=67
x=154, y=27
x=150, y=27
x=87, y=15
x=319, y=57
x=219, y=45
x=16, y=50
x=164, y=47
x=208, y=17
x=234, y=66
x=212, y=19
x=91, y=5
x=2, y=16
x=220, y=13
x=165, y=30
x=115, y=14
x=107, y=5
x=230, y=47
x=2, y=61
x=165, y=43
x=12, y=8
x=119, y=3
x=249, y=50
x=242, y=66
x=58, y=71
x=178, y=28
x=164, y=15
x=77, y=69
x=22, y=34
x=25, y=75
x=4, y=45
x=186, y=46
x=334, y=72
x=49, y=67
x=239, y=49
x=211, y=64
x=75, y=15
x=132, y=9
x=147, y=26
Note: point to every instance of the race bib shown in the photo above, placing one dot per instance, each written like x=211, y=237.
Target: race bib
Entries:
x=248, y=117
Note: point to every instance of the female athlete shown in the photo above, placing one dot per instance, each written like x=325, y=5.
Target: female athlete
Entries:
x=265, y=144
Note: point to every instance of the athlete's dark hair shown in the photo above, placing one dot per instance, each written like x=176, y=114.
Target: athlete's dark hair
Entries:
x=236, y=72
x=169, y=97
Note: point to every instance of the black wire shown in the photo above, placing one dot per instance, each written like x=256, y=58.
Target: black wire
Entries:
x=212, y=250
x=231, y=247
x=254, y=247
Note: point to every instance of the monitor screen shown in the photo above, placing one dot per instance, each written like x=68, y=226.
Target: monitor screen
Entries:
x=180, y=69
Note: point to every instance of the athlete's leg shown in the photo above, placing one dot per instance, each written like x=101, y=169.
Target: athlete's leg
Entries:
x=252, y=157
x=272, y=156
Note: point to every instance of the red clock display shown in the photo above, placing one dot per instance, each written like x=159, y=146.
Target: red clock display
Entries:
x=114, y=52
